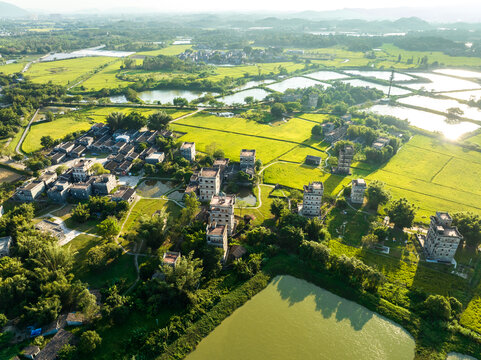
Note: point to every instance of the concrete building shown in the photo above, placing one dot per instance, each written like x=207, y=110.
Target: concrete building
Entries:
x=81, y=170
x=217, y=236
x=5, y=243
x=58, y=158
x=247, y=159
x=79, y=151
x=104, y=184
x=155, y=158
x=358, y=188
x=30, y=192
x=222, y=211
x=442, y=239
x=59, y=191
x=380, y=142
x=125, y=193
x=187, y=150
x=222, y=164
x=48, y=178
x=312, y=200
x=81, y=190
x=209, y=183
x=313, y=160
x=346, y=154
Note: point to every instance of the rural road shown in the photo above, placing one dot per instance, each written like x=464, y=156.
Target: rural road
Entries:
x=20, y=142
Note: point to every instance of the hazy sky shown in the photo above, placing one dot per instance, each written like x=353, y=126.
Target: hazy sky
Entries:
x=226, y=5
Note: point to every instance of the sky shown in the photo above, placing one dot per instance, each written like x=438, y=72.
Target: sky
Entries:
x=227, y=5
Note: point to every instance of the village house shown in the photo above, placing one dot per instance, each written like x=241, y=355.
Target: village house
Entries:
x=128, y=149
x=247, y=159
x=217, y=236
x=187, y=151
x=124, y=168
x=221, y=211
x=346, y=154
x=312, y=200
x=75, y=319
x=48, y=178
x=171, y=258
x=81, y=190
x=49, y=352
x=336, y=134
x=442, y=239
x=30, y=352
x=5, y=243
x=313, y=160
x=125, y=193
x=57, y=158
x=79, y=151
x=358, y=188
x=81, y=170
x=209, y=183
x=30, y=191
x=380, y=143
x=86, y=141
x=104, y=184
x=155, y=158
x=59, y=191
x=65, y=147
x=52, y=229
x=222, y=165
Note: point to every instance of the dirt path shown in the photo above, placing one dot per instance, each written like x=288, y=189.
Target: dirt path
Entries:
x=25, y=132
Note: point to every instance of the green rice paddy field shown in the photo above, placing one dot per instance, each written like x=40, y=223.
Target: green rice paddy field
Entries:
x=63, y=72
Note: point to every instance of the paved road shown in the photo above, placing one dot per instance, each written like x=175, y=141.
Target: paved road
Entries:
x=20, y=142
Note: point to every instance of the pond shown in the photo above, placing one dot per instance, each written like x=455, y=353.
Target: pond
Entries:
x=461, y=73
x=440, y=83
x=97, y=51
x=456, y=356
x=384, y=88
x=251, y=84
x=154, y=188
x=381, y=75
x=426, y=120
x=168, y=96
x=257, y=94
x=119, y=99
x=294, y=320
x=442, y=105
x=246, y=200
x=326, y=75
x=465, y=95
x=295, y=83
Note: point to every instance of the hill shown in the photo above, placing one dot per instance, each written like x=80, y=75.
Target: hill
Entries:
x=8, y=10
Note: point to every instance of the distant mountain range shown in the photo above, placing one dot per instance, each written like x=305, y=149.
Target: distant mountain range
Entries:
x=8, y=10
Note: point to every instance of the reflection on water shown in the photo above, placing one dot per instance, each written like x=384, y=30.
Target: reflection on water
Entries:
x=251, y=84
x=294, y=320
x=460, y=73
x=440, y=83
x=442, y=105
x=238, y=98
x=426, y=120
x=465, y=95
x=381, y=75
x=119, y=99
x=295, y=83
x=168, y=96
x=384, y=88
x=326, y=75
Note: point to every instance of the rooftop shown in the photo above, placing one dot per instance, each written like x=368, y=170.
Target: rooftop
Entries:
x=316, y=185
x=170, y=257
x=218, y=230
x=124, y=193
x=248, y=152
x=209, y=172
x=187, y=145
x=359, y=182
x=227, y=200
x=444, y=216
x=50, y=351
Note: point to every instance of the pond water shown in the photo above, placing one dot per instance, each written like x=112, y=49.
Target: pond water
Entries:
x=86, y=52
x=384, y=88
x=295, y=83
x=119, y=99
x=426, y=120
x=249, y=200
x=294, y=320
x=456, y=356
x=465, y=95
x=382, y=75
x=326, y=75
x=440, y=83
x=168, y=96
x=251, y=84
x=441, y=105
x=461, y=73
x=154, y=188
x=257, y=94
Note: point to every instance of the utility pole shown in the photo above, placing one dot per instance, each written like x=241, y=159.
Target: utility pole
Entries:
x=391, y=78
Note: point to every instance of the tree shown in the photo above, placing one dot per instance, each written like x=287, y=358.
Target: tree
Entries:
x=109, y=228
x=89, y=341
x=185, y=276
x=115, y=120
x=3, y=320
x=158, y=121
x=377, y=194
x=61, y=169
x=219, y=154
x=188, y=213
x=49, y=116
x=180, y=102
x=315, y=230
x=469, y=225
x=81, y=213
x=437, y=307
x=316, y=130
x=290, y=237
x=152, y=229
x=99, y=169
x=134, y=121
x=278, y=110
x=47, y=141
x=369, y=240
x=453, y=114
x=278, y=208
x=401, y=213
